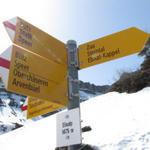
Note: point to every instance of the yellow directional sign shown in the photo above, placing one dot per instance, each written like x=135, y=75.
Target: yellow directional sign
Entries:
x=37, y=107
x=113, y=46
x=32, y=75
x=30, y=37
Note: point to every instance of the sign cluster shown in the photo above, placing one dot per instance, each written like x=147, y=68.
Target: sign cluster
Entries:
x=36, y=66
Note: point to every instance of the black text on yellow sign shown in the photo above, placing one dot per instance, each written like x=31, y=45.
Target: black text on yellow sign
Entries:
x=111, y=47
x=37, y=107
x=39, y=42
x=31, y=75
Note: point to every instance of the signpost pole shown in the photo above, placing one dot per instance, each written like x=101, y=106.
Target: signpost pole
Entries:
x=74, y=101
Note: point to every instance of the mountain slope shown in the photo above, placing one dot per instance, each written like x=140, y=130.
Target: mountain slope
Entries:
x=117, y=117
x=11, y=116
x=118, y=122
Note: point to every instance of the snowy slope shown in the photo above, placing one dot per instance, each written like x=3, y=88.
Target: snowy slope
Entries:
x=86, y=96
x=118, y=121
x=10, y=117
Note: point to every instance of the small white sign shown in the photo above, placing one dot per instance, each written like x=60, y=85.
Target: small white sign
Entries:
x=68, y=128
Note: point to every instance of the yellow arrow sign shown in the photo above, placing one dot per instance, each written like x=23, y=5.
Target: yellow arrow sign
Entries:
x=37, y=107
x=111, y=47
x=30, y=37
x=32, y=75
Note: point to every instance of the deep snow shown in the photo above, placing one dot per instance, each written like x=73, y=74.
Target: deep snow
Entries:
x=118, y=121
x=10, y=116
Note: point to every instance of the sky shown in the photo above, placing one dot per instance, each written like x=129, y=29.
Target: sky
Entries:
x=82, y=21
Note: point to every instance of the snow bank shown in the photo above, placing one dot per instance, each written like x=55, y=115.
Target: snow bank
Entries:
x=118, y=121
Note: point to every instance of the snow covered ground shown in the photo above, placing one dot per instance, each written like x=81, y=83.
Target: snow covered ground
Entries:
x=10, y=117
x=118, y=121
x=85, y=96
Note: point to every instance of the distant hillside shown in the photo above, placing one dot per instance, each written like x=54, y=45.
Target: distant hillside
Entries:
x=92, y=88
x=88, y=90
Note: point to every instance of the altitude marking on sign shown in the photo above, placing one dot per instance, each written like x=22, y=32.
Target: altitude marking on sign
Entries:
x=111, y=47
x=37, y=107
x=68, y=128
x=30, y=37
x=22, y=75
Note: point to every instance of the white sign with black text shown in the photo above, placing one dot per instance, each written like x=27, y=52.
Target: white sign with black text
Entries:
x=68, y=128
